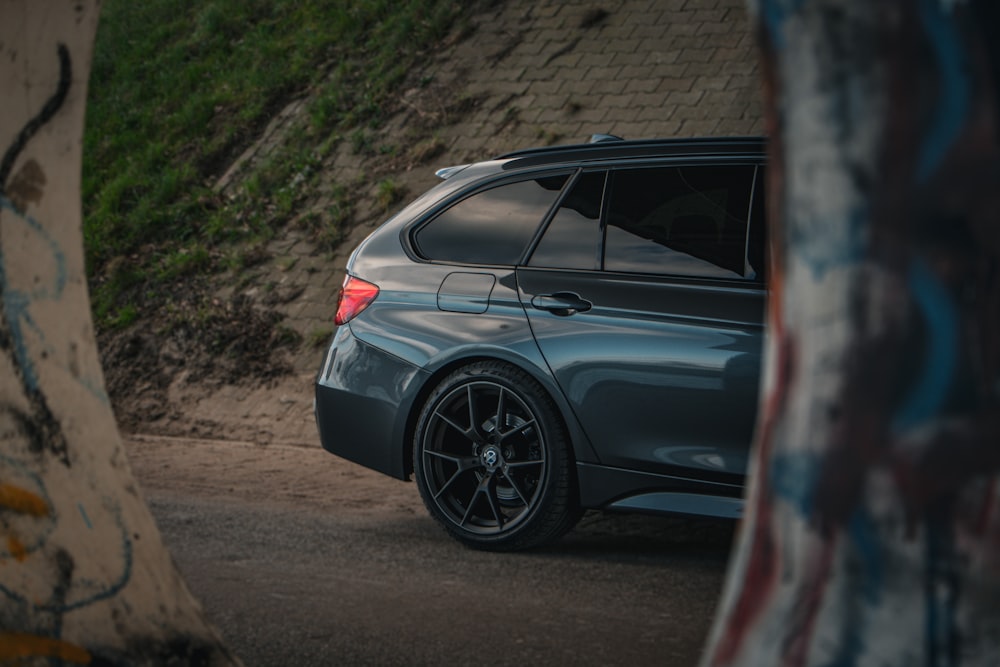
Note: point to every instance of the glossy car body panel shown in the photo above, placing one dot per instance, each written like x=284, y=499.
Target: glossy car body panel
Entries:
x=463, y=292
x=655, y=377
x=359, y=395
x=406, y=329
x=672, y=364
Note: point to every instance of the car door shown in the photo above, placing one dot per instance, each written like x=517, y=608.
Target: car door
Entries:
x=649, y=312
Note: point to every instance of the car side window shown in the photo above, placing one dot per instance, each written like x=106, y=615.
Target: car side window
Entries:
x=573, y=237
x=679, y=220
x=492, y=226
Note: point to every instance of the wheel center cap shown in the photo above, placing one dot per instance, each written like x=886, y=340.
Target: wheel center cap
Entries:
x=491, y=458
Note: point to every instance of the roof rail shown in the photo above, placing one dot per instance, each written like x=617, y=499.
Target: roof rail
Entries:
x=636, y=147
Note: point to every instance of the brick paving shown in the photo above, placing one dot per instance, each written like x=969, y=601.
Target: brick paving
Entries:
x=523, y=73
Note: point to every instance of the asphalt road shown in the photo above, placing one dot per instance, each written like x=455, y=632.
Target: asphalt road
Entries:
x=310, y=585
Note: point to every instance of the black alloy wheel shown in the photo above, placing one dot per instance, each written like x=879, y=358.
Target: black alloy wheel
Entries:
x=491, y=459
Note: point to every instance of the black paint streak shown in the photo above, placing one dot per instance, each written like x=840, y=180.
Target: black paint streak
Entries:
x=45, y=430
x=44, y=116
x=49, y=432
x=28, y=426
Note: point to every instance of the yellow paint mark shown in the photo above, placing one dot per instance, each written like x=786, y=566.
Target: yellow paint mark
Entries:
x=22, y=501
x=16, y=549
x=16, y=645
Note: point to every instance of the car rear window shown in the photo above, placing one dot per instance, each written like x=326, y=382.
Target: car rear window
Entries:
x=492, y=226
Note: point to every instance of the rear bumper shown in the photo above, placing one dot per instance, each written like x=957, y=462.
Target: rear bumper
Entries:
x=362, y=399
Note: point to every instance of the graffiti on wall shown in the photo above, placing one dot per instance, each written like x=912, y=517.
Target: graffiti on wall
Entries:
x=40, y=581
x=874, y=515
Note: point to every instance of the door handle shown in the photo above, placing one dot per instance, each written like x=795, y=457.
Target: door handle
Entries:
x=561, y=303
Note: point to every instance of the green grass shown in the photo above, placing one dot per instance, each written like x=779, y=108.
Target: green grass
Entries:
x=388, y=193
x=179, y=89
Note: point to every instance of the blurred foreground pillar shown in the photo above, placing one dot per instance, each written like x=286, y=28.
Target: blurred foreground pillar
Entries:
x=84, y=576
x=872, y=530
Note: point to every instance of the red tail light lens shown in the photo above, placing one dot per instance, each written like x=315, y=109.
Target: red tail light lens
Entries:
x=355, y=296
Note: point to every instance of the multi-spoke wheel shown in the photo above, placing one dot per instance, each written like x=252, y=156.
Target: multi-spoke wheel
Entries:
x=490, y=458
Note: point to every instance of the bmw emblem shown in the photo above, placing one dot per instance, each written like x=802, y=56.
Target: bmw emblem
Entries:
x=490, y=457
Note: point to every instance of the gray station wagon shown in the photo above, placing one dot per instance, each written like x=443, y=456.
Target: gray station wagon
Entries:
x=559, y=329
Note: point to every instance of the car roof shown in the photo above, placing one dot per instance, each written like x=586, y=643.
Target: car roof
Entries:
x=605, y=149
x=617, y=149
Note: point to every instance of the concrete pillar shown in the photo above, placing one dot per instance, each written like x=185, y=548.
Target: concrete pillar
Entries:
x=872, y=531
x=84, y=576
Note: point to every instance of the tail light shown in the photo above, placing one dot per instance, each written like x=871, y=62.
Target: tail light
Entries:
x=355, y=296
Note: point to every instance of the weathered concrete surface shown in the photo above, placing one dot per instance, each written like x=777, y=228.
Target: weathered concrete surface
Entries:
x=872, y=534
x=84, y=577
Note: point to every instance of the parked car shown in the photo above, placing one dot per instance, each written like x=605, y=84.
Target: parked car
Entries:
x=558, y=329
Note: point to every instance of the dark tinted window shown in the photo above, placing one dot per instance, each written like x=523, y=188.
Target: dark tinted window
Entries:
x=573, y=238
x=490, y=227
x=689, y=221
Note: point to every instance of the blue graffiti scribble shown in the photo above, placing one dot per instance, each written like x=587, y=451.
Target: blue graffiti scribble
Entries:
x=826, y=243
x=117, y=585
x=101, y=591
x=954, y=96
x=793, y=478
x=928, y=395
x=17, y=304
x=83, y=513
x=775, y=15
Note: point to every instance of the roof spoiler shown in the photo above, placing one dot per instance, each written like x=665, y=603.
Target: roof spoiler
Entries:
x=601, y=138
x=446, y=172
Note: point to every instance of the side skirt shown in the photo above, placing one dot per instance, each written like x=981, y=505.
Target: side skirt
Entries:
x=603, y=487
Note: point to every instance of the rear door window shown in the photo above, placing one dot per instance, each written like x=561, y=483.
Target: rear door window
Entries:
x=492, y=226
x=679, y=220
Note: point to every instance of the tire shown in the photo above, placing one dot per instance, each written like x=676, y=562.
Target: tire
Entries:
x=498, y=489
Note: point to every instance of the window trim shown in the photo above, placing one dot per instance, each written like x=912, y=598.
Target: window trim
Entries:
x=759, y=190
